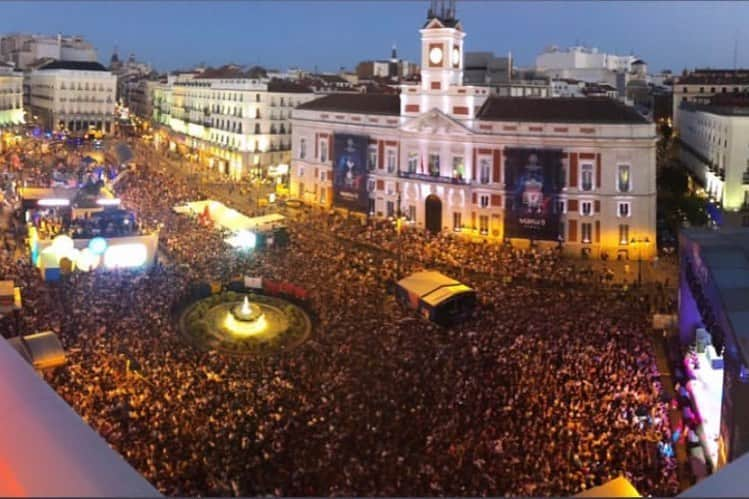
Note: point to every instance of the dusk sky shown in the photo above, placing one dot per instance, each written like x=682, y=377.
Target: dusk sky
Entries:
x=308, y=33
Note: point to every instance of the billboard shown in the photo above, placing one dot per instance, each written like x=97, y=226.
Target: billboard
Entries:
x=350, y=172
x=534, y=178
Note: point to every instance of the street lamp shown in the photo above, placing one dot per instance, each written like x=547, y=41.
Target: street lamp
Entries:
x=639, y=242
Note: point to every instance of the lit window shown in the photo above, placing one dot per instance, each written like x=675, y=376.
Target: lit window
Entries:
x=457, y=221
x=623, y=179
x=484, y=224
x=623, y=234
x=458, y=167
x=587, y=231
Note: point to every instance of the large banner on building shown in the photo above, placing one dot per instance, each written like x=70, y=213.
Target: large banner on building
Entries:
x=534, y=179
x=350, y=172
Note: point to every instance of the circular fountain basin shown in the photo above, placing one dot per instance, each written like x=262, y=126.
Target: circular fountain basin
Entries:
x=240, y=324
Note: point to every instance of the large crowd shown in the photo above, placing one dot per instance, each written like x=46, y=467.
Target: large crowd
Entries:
x=549, y=389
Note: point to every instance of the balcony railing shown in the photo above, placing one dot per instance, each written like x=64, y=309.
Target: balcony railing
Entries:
x=434, y=178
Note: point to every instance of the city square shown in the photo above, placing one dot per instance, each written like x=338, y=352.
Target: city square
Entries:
x=374, y=393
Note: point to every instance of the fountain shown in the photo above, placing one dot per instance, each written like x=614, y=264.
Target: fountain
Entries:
x=247, y=312
x=240, y=324
x=246, y=319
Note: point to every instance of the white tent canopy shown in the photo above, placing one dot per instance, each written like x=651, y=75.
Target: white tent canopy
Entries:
x=229, y=218
x=46, y=449
x=432, y=287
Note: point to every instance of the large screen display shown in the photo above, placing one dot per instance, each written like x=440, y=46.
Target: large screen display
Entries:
x=350, y=172
x=534, y=179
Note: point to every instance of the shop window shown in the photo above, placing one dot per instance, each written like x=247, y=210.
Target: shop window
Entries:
x=587, y=232
x=623, y=234
x=484, y=224
x=390, y=208
x=411, y=213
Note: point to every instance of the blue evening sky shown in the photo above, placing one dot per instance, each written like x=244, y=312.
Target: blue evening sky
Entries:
x=331, y=34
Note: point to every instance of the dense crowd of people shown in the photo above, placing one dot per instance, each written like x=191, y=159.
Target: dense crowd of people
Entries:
x=549, y=389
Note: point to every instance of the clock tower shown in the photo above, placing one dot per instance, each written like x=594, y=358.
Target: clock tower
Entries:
x=441, y=48
x=441, y=87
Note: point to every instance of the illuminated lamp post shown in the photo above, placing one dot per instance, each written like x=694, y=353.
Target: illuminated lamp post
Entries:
x=639, y=242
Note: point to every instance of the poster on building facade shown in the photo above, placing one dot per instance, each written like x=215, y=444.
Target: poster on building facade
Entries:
x=533, y=178
x=350, y=172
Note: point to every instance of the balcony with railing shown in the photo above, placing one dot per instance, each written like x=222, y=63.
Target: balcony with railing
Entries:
x=433, y=178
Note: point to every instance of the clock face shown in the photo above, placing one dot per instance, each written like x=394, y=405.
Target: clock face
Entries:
x=435, y=55
x=456, y=56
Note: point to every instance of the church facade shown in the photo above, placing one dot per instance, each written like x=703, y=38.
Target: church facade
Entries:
x=452, y=157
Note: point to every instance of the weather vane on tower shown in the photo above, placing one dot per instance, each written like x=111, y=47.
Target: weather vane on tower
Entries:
x=442, y=9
